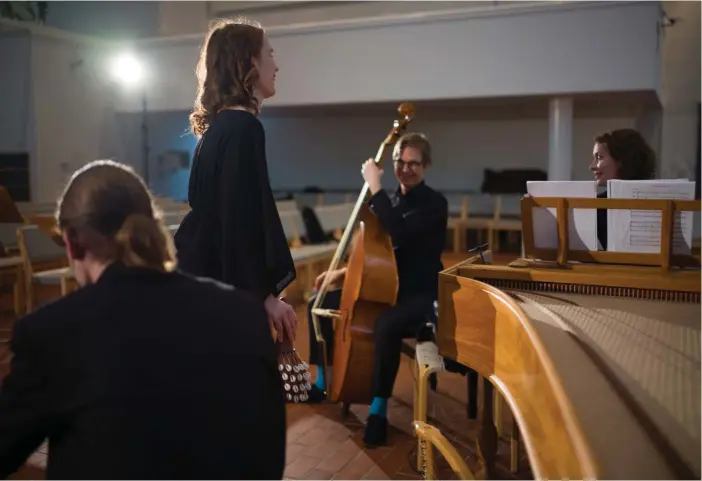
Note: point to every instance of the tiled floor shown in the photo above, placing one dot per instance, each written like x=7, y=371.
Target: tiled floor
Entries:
x=324, y=445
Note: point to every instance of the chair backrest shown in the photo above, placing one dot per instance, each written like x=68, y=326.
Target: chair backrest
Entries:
x=333, y=217
x=482, y=205
x=309, y=199
x=8, y=234
x=334, y=198
x=313, y=229
x=293, y=226
x=38, y=246
x=286, y=205
x=457, y=204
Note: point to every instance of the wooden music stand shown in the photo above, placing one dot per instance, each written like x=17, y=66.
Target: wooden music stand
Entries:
x=563, y=254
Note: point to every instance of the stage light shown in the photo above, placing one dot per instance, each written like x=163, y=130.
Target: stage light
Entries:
x=127, y=69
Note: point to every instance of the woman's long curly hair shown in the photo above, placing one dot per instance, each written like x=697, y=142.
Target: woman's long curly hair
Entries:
x=635, y=159
x=226, y=73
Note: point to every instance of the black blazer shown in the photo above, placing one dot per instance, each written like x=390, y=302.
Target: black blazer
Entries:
x=146, y=375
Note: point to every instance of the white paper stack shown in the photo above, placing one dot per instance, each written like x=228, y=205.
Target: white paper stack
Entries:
x=639, y=231
x=582, y=226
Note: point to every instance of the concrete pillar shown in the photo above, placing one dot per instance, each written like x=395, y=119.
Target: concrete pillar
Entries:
x=560, y=138
x=680, y=91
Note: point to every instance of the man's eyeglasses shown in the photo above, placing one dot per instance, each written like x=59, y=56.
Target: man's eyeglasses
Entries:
x=412, y=164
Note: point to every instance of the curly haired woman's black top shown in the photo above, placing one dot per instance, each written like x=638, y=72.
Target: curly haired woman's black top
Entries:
x=233, y=233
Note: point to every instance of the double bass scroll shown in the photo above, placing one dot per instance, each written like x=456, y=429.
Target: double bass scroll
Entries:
x=370, y=286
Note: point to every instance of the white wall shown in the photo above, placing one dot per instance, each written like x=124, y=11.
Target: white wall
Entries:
x=74, y=118
x=520, y=51
x=74, y=121
x=462, y=148
x=326, y=149
x=15, y=93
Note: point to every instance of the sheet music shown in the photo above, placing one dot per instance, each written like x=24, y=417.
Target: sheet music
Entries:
x=640, y=230
x=582, y=226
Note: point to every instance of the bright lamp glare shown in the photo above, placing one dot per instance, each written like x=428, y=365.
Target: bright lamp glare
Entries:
x=127, y=69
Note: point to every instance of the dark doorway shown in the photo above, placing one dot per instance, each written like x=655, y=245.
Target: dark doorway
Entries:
x=14, y=175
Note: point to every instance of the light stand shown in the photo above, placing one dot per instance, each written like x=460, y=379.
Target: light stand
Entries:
x=128, y=71
x=145, y=147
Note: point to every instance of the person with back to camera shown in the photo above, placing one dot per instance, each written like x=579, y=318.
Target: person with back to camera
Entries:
x=134, y=376
x=621, y=154
x=233, y=232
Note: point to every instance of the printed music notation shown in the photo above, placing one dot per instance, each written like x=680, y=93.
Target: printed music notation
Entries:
x=645, y=225
x=640, y=230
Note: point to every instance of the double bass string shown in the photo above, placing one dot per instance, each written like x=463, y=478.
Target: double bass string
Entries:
x=407, y=112
x=340, y=251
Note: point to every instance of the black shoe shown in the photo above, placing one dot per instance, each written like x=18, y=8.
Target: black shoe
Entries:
x=315, y=395
x=376, y=432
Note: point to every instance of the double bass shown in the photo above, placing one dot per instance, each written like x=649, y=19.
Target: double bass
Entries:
x=370, y=286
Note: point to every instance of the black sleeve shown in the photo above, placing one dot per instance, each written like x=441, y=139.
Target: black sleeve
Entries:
x=23, y=405
x=241, y=211
x=403, y=226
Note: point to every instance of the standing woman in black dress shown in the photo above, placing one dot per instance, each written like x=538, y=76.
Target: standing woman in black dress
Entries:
x=233, y=232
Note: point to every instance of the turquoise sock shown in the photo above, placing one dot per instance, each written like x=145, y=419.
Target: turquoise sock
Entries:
x=320, y=382
x=379, y=407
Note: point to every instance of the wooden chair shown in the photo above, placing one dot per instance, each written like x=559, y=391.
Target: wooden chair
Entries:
x=11, y=264
x=12, y=273
x=334, y=198
x=45, y=264
x=458, y=224
x=499, y=224
x=310, y=260
x=333, y=218
x=8, y=236
x=430, y=438
x=286, y=205
x=479, y=222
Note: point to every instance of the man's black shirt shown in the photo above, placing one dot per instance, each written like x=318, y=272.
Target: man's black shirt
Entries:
x=417, y=224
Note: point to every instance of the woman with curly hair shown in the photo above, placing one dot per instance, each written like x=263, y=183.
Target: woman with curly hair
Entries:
x=233, y=233
x=619, y=154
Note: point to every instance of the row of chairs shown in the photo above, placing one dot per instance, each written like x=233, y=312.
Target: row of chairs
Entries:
x=310, y=259
x=504, y=217
x=484, y=213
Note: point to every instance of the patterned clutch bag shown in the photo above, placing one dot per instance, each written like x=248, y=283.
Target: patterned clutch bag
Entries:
x=294, y=373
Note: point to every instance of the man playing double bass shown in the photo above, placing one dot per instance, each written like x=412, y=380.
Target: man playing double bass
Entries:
x=415, y=217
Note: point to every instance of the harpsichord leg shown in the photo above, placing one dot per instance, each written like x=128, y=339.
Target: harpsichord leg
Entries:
x=487, y=442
